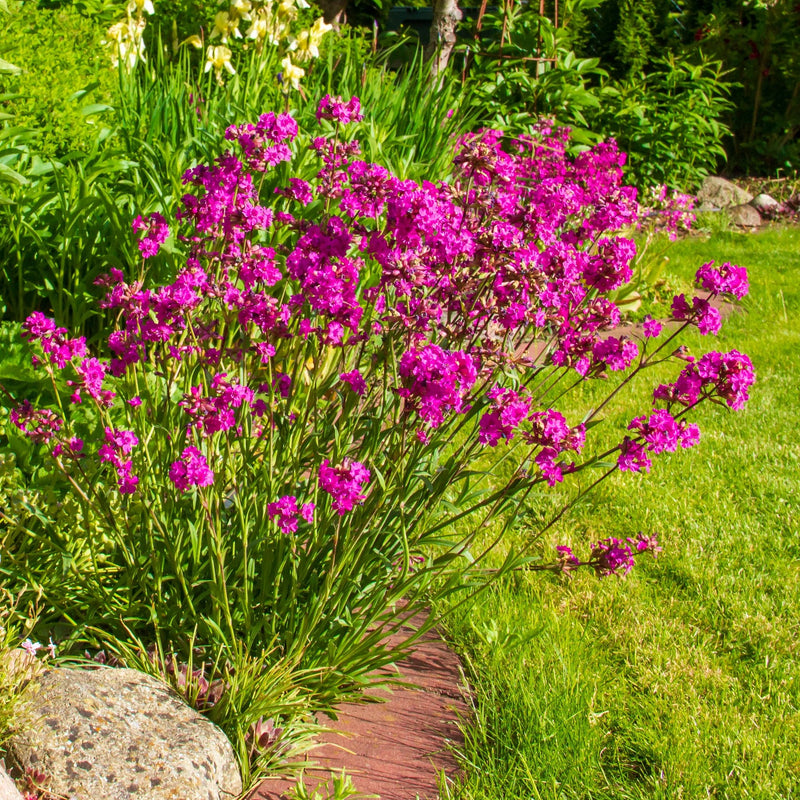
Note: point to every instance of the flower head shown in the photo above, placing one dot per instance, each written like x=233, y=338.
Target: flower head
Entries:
x=219, y=57
x=345, y=483
x=292, y=74
x=191, y=470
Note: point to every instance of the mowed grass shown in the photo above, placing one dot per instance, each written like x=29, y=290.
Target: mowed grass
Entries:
x=683, y=679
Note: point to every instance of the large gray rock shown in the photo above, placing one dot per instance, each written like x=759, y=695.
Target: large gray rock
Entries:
x=721, y=193
x=116, y=734
x=8, y=790
x=745, y=215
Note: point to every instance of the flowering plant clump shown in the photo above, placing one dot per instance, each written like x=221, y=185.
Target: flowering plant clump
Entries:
x=126, y=38
x=267, y=23
x=283, y=442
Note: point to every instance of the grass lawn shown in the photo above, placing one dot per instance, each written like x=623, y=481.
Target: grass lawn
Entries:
x=681, y=680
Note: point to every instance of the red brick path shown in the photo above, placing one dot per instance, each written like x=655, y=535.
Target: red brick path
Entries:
x=395, y=749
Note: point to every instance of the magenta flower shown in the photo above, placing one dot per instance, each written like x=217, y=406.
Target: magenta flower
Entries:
x=344, y=484
x=355, y=380
x=611, y=557
x=728, y=279
x=191, y=470
x=632, y=457
x=334, y=108
x=286, y=510
x=702, y=313
x=156, y=233
x=38, y=424
x=436, y=381
x=663, y=432
x=91, y=372
x=509, y=410
x=617, y=354
x=54, y=340
x=728, y=376
x=651, y=327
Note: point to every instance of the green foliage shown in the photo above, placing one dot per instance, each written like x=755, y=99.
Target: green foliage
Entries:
x=11, y=692
x=757, y=42
x=341, y=788
x=62, y=225
x=62, y=68
x=16, y=668
x=668, y=121
x=510, y=87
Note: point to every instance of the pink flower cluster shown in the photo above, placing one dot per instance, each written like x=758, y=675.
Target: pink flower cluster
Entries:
x=216, y=412
x=727, y=376
x=667, y=212
x=53, y=340
x=509, y=410
x=265, y=144
x=344, y=484
x=610, y=556
x=549, y=430
x=546, y=430
x=701, y=313
x=288, y=512
x=656, y=434
x=336, y=109
x=728, y=279
x=355, y=380
x=118, y=445
x=191, y=470
x=38, y=424
x=436, y=381
x=156, y=233
x=431, y=291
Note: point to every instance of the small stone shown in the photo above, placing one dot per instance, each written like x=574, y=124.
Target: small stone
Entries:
x=745, y=216
x=721, y=193
x=148, y=740
x=764, y=201
x=8, y=789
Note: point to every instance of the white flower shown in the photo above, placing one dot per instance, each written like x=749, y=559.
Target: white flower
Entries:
x=30, y=647
x=139, y=6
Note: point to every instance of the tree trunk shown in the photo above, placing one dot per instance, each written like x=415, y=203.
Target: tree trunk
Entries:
x=446, y=16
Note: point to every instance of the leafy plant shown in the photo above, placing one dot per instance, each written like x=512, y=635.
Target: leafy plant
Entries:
x=284, y=458
x=669, y=121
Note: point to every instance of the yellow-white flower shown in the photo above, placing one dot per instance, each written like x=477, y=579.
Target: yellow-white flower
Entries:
x=240, y=9
x=139, y=6
x=126, y=42
x=307, y=42
x=225, y=25
x=287, y=10
x=292, y=74
x=259, y=26
x=219, y=58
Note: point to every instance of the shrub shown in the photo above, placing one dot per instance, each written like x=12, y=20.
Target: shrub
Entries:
x=63, y=71
x=669, y=122
x=285, y=455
